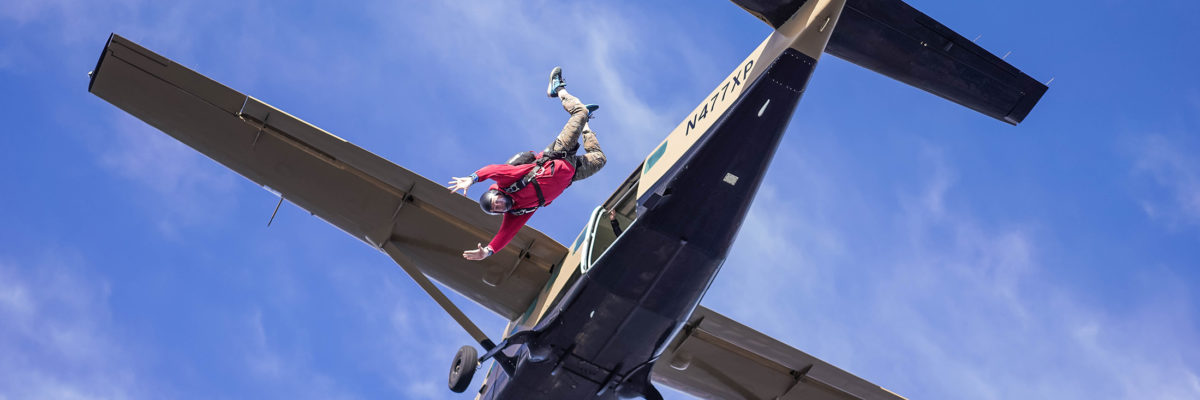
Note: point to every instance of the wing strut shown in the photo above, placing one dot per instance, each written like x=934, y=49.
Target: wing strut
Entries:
x=276, y=210
x=409, y=267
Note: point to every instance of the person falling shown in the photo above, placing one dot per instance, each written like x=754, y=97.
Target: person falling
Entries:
x=528, y=181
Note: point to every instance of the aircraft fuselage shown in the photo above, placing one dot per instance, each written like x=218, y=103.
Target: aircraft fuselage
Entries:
x=601, y=339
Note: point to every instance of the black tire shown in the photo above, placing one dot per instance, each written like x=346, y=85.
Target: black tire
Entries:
x=463, y=368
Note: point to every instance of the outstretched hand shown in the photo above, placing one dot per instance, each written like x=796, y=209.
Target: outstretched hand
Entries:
x=477, y=254
x=461, y=184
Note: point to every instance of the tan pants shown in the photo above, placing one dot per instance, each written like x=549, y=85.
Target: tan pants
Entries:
x=593, y=159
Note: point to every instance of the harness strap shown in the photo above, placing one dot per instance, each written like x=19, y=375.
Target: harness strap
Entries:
x=538, y=189
x=522, y=211
x=531, y=178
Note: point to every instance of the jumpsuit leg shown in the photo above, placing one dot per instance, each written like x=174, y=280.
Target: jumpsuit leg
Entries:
x=566, y=140
x=591, y=161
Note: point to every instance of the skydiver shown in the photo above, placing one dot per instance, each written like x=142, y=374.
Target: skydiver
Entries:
x=530, y=181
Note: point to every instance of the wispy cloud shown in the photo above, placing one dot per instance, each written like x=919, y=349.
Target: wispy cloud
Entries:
x=972, y=301
x=288, y=374
x=74, y=23
x=65, y=35
x=58, y=340
x=409, y=337
x=928, y=286
x=184, y=181
x=1165, y=161
x=499, y=81
x=879, y=282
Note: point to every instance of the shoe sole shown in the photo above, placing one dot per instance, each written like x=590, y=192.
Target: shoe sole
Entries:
x=550, y=92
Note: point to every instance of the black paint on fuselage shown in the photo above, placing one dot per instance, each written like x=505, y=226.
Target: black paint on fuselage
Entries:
x=616, y=319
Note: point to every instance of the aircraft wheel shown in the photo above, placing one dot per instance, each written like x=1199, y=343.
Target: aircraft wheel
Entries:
x=463, y=368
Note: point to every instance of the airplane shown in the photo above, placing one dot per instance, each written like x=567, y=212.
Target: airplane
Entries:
x=606, y=316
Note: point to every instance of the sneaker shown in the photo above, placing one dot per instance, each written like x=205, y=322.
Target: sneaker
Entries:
x=591, y=109
x=556, y=81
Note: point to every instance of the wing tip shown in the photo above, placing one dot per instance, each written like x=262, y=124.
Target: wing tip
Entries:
x=100, y=61
x=1026, y=104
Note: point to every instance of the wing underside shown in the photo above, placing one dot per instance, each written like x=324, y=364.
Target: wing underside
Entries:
x=894, y=39
x=715, y=357
x=397, y=211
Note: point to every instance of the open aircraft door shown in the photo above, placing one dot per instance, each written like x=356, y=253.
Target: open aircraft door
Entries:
x=598, y=237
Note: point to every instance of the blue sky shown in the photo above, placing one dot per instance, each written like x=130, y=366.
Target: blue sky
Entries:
x=913, y=242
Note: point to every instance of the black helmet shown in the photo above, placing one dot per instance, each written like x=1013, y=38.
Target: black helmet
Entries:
x=489, y=197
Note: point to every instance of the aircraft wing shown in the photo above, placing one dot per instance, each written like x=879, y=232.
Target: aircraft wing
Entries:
x=715, y=357
x=893, y=38
x=413, y=219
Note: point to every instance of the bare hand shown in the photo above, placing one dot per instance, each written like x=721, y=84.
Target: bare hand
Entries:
x=461, y=184
x=477, y=254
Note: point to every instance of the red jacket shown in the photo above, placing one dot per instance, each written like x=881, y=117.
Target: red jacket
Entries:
x=554, y=178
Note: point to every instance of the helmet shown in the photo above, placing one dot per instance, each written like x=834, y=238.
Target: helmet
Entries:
x=490, y=197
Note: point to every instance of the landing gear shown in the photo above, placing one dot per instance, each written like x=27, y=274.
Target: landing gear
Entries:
x=463, y=368
x=467, y=360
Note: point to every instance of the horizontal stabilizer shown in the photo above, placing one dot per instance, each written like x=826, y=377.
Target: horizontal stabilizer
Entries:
x=894, y=39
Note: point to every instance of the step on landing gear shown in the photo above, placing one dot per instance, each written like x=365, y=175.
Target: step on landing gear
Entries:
x=463, y=368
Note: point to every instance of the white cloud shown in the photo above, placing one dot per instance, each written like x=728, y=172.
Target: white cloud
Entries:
x=931, y=302
x=261, y=360
x=990, y=321
x=411, y=339
x=58, y=340
x=14, y=299
x=499, y=81
x=883, y=285
x=185, y=183
x=68, y=34
x=1173, y=170
x=285, y=374
x=71, y=22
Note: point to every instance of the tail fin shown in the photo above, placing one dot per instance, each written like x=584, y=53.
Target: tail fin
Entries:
x=894, y=39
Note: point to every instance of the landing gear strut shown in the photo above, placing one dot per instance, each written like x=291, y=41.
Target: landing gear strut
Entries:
x=463, y=369
x=468, y=360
